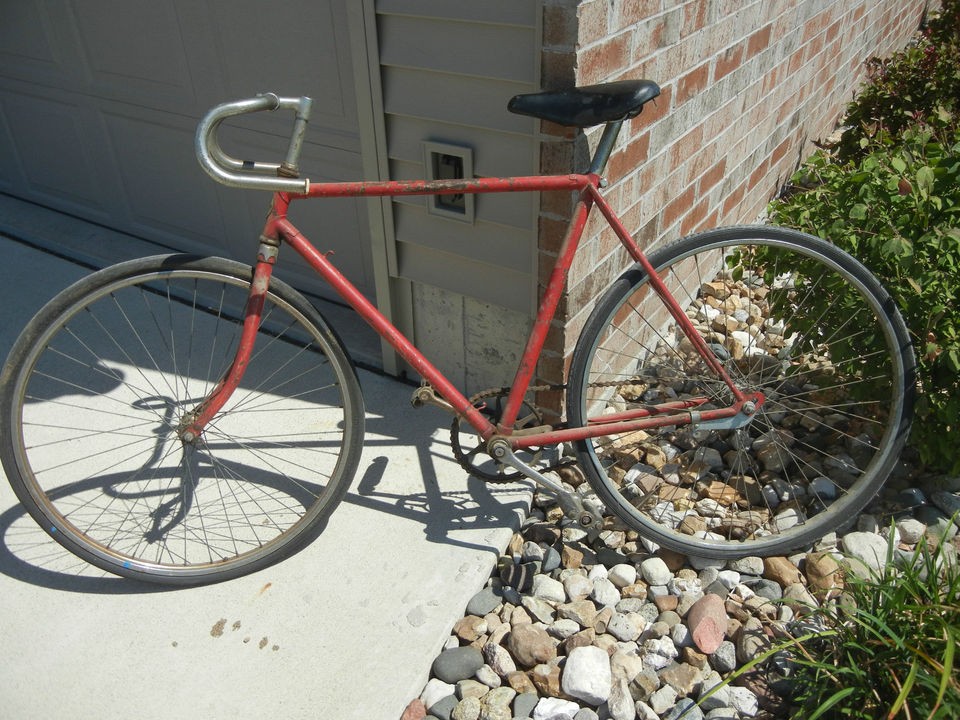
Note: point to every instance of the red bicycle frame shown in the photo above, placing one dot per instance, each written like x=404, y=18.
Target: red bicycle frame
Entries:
x=279, y=228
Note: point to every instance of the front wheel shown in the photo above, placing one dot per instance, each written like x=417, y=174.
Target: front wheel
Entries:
x=96, y=393
x=789, y=316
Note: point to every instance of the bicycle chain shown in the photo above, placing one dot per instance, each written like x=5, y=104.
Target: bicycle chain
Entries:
x=563, y=462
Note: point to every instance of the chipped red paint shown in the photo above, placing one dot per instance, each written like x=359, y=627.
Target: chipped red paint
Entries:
x=449, y=187
x=278, y=228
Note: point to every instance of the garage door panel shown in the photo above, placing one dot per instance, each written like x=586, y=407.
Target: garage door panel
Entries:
x=298, y=49
x=27, y=43
x=54, y=160
x=156, y=163
x=99, y=101
x=134, y=51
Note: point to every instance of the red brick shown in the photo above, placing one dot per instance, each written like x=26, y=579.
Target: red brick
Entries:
x=604, y=59
x=630, y=157
x=759, y=41
x=712, y=177
x=677, y=208
x=593, y=21
x=693, y=82
x=635, y=11
x=728, y=61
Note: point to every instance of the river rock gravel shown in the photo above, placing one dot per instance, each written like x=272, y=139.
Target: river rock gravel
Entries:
x=572, y=629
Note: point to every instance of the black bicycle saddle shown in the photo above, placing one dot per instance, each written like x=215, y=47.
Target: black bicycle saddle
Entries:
x=589, y=105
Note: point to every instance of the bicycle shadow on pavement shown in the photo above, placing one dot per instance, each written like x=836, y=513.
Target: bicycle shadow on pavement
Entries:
x=407, y=471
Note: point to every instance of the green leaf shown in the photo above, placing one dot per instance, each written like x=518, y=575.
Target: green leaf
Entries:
x=947, y=664
x=858, y=212
x=905, y=690
x=925, y=180
x=834, y=699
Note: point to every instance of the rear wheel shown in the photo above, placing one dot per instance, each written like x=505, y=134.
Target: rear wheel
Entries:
x=101, y=380
x=789, y=316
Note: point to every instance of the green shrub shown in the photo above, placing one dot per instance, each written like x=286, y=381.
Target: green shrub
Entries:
x=885, y=648
x=890, y=196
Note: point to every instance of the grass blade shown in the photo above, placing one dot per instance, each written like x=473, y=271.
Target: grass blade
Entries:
x=905, y=690
x=833, y=700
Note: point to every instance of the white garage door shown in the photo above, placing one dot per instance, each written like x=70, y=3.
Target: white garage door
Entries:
x=99, y=101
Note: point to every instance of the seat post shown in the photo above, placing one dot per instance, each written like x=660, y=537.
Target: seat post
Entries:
x=605, y=147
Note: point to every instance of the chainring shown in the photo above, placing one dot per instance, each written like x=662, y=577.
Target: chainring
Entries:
x=470, y=449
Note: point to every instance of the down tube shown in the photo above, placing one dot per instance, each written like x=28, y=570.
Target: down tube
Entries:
x=384, y=327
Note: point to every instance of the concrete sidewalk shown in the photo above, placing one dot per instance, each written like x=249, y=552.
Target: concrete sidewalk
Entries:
x=346, y=629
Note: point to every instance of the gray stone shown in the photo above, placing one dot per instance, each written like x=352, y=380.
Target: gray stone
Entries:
x=938, y=524
x=949, y=503
x=686, y=709
x=662, y=700
x=645, y=712
x=867, y=548
x=586, y=675
x=750, y=565
x=457, y=664
x=724, y=658
x=726, y=713
x=524, y=703
x=443, y=708
x=586, y=714
x=551, y=560
x=485, y=601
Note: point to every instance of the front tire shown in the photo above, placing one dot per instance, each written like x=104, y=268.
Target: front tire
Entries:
x=94, y=391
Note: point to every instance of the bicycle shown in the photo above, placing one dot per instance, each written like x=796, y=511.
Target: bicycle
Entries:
x=187, y=419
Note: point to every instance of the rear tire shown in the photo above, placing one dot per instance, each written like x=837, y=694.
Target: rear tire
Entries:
x=94, y=390
x=788, y=315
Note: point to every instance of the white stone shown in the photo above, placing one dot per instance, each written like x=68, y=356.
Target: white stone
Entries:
x=546, y=588
x=605, y=592
x=655, y=571
x=564, y=628
x=743, y=700
x=435, y=691
x=555, y=709
x=586, y=675
x=729, y=578
x=911, y=530
x=577, y=586
x=622, y=575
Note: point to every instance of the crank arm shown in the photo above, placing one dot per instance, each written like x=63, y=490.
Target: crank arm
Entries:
x=572, y=505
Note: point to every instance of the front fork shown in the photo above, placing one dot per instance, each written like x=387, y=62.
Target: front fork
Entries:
x=193, y=423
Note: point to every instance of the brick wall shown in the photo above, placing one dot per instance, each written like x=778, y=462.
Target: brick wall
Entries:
x=746, y=86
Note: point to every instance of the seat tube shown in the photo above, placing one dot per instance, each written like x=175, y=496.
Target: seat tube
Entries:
x=547, y=310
